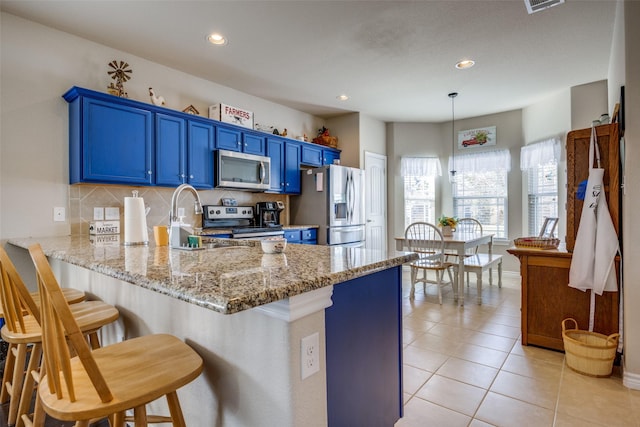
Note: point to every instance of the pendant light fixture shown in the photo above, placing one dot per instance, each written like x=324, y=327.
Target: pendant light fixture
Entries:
x=452, y=170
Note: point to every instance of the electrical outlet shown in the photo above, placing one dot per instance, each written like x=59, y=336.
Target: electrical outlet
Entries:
x=98, y=214
x=59, y=214
x=310, y=355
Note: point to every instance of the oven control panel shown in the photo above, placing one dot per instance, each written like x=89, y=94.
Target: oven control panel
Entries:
x=227, y=212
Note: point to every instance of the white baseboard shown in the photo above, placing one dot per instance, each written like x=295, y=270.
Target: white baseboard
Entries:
x=630, y=379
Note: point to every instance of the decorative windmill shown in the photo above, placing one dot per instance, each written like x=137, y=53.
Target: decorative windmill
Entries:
x=120, y=73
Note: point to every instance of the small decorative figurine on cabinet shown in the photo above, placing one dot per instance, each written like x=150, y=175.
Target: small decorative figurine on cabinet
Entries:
x=156, y=100
x=120, y=73
x=191, y=110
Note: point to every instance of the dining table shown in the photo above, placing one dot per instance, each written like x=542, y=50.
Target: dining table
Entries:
x=459, y=243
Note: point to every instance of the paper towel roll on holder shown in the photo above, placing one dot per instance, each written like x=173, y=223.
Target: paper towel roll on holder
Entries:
x=135, y=221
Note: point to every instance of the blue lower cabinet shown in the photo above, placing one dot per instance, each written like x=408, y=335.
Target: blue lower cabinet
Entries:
x=364, y=351
x=292, y=236
x=307, y=236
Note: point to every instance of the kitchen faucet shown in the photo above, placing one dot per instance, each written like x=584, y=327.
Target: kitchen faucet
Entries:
x=178, y=237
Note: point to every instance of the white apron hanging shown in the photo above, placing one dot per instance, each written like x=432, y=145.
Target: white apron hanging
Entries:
x=593, y=259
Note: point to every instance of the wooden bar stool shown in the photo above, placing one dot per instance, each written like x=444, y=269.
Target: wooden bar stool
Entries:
x=23, y=333
x=110, y=380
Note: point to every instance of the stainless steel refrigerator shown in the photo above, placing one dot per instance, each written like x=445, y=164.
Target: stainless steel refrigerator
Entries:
x=333, y=198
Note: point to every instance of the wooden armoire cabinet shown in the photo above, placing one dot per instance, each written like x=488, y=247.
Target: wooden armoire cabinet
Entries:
x=546, y=297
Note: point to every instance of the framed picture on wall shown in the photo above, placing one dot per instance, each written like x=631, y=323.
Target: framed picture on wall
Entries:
x=477, y=137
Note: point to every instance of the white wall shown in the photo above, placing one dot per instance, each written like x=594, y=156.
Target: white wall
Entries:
x=373, y=137
x=588, y=103
x=549, y=118
x=631, y=196
x=347, y=129
x=38, y=65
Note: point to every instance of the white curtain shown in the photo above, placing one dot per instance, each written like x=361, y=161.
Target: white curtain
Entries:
x=420, y=166
x=539, y=154
x=495, y=160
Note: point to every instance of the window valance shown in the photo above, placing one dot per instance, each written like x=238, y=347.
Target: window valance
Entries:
x=495, y=160
x=540, y=153
x=420, y=166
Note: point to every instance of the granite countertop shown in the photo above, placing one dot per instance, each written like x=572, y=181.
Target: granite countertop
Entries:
x=228, y=279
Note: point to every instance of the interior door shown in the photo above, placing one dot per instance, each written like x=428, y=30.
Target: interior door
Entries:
x=375, y=166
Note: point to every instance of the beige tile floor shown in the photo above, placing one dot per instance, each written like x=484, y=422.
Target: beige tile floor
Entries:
x=467, y=367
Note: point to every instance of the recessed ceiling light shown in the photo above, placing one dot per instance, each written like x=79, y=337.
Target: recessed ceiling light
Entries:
x=467, y=63
x=342, y=97
x=216, y=39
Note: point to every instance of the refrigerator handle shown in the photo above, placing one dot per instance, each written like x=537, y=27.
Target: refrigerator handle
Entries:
x=353, y=196
x=349, y=196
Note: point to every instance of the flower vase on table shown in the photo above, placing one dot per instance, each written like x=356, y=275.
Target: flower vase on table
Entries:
x=448, y=225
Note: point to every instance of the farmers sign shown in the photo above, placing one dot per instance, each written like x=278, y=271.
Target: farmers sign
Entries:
x=229, y=114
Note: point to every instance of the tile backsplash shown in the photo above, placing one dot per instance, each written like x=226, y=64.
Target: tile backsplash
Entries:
x=84, y=197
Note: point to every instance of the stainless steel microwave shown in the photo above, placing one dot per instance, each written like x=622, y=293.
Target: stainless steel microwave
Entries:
x=241, y=171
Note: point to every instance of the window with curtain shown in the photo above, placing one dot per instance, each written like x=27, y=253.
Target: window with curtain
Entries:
x=480, y=189
x=419, y=175
x=540, y=162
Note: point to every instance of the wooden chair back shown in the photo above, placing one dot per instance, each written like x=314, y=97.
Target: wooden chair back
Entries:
x=14, y=296
x=426, y=240
x=59, y=331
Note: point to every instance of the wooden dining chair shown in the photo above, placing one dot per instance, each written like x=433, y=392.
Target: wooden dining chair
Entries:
x=477, y=262
x=23, y=333
x=108, y=381
x=426, y=240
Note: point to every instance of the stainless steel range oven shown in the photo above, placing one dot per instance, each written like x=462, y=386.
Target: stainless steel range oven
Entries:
x=238, y=219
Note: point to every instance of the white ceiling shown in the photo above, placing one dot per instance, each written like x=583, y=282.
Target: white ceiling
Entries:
x=395, y=59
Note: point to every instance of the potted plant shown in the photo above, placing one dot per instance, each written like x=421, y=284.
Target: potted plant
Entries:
x=448, y=225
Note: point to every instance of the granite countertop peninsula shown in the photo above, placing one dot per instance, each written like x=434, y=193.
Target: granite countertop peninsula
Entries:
x=228, y=276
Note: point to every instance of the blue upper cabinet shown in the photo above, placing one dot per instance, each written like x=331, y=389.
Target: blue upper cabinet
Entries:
x=228, y=139
x=329, y=155
x=311, y=155
x=254, y=143
x=275, y=150
x=110, y=143
x=200, y=142
x=235, y=139
x=171, y=141
x=120, y=141
x=317, y=155
x=285, y=165
x=292, y=182
x=184, y=152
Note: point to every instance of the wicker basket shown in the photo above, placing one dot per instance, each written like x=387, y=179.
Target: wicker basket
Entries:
x=537, y=242
x=589, y=353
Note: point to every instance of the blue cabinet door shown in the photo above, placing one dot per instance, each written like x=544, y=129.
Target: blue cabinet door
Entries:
x=364, y=351
x=292, y=236
x=228, y=138
x=254, y=144
x=170, y=150
x=275, y=151
x=200, y=154
x=311, y=155
x=292, y=183
x=116, y=143
x=329, y=155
